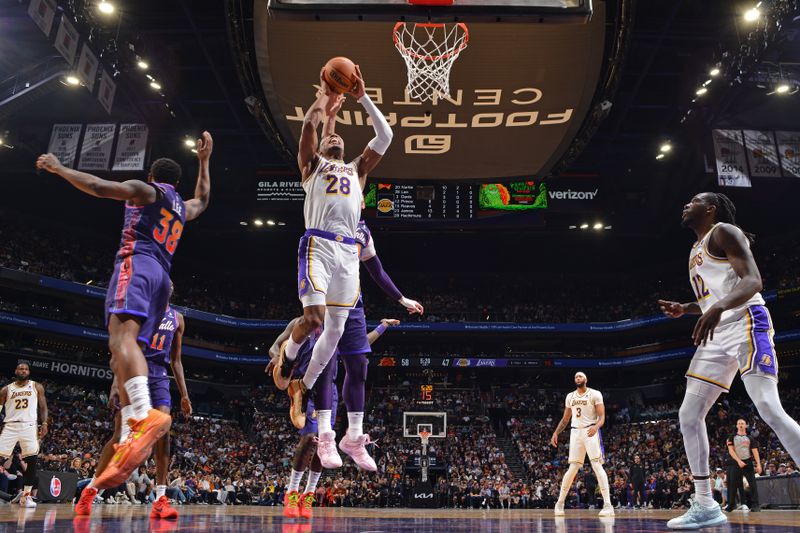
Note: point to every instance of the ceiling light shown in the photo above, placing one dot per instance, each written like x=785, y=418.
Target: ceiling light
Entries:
x=258, y=222
x=782, y=88
x=270, y=222
x=660, y=156
x=573, y=226
x=584, y=226
x=714, y=72
x=189, y=142
x=155, y=85
x=598, y=225
x=705, y=83
x=105, y=7
x=751, y=15
x=194, y=150
x=72, y=80
x=666, y=147
x=608, y=227
x=281, y=223
x=1, y=141
x=142, y=64
x=701, y=91
x=243, y=223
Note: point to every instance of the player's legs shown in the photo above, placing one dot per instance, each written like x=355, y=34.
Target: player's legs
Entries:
x=354, y=392
x=566, y=483
x=325, y=400
x=594, y=449
x=161, y=507
x=313, y=316
x=764, y=393
x=127, y=360
x=84, y=505
x=303, y=456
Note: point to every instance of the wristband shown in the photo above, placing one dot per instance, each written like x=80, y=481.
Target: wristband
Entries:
x=380, y=329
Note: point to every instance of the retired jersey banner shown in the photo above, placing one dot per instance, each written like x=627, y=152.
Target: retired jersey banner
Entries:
x=64, y=142
x=789, y=152
x=107, y=91
x=43, y=12
x=731, y=158
x=67, y=40
x=762, y=155
x=96, y=149
x=131, y=147
x=87, y=67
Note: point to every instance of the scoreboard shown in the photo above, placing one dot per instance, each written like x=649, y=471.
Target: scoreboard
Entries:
x=424, y=202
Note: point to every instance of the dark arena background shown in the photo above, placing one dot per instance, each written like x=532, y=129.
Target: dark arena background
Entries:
x=533, y=208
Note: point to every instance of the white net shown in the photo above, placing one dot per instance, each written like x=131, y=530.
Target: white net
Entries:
x=429, y=51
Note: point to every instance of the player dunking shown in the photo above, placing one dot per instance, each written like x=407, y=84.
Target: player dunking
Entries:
x=163, y=351
x=588, y=413
x=139, y=289
x=298, y=504
x=25, y=405
x=733, y=333
x=328, y=281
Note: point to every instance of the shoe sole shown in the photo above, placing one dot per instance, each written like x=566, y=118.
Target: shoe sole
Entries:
x=709, y=523
x=366, y=468
x=296, y=412
x=281, y=382
x=115, y=475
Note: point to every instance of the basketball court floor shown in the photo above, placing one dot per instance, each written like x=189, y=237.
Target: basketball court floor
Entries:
x=112, y=519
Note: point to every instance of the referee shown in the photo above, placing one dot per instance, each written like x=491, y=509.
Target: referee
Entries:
x=744, y=462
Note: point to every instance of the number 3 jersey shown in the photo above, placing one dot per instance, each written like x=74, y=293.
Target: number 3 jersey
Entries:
x=22, y=403
x=584, y=410
x=154, y=229
x=712, y=279
x=333, y=197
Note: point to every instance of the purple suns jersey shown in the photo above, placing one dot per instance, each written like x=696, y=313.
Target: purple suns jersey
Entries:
x=366, y=250
x=160, y=345
x=155, y=229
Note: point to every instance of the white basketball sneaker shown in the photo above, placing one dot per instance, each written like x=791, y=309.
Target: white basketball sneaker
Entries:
x=698, y=516
x=558, y=510
x=27, y=501
x=326, y=450
x=607, y=510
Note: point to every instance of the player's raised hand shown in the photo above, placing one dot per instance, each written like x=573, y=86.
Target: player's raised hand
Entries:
x=186, y=406
x=205, y=144
x=389, y=322
x=554, y=440
x=413, y=306
x=358, y=88
x=671, y=309
x=48, y=162
x=333, y=105
x=704, y=329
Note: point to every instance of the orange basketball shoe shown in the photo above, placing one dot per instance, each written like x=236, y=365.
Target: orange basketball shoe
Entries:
x=291, y=505
x=306, y=502
x=162, y=509
x=84, y=505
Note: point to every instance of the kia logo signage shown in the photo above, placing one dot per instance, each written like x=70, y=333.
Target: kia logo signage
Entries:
x=423, y=495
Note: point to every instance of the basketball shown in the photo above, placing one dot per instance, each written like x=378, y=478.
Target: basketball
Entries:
x=340, y=74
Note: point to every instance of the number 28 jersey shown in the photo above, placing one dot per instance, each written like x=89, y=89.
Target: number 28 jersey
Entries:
x=584, y=410
x=333, y=197
x=154, y=229
x=712, y=279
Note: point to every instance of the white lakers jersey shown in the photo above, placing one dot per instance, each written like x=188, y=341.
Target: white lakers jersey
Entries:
x=584, y=410
x=22, y=403
x=333, y=197
x=712, y=279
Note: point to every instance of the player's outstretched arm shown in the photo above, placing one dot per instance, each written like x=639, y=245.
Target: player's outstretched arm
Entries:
x=332, y=108
x=385, y=324
x=309, y=142
x=731, y=240
x=42, y=410
x=134, y=191
x=176, y=363
x=202, y=191
x=677, y=309
x=377, y=147
x=562, y=424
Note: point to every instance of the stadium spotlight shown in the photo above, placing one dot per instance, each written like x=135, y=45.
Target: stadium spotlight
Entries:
x=608, y=227
x=666, y=147
x=155, y=85
x=1, y=141
x=281, y=223
x=573, y=226
x=782, y=88
x=714, y=72
x=752, y=14
x=701, y=91
x=270, y=222
x=188, y=141
x=142, y=64
x=584, y=226
x=72, y=80
x=598, y=225
x=105, y=7
x=258, y=222
x=243, y=223
x=660, y=157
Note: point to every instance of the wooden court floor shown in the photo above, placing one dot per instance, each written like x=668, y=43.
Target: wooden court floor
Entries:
x=112, y=519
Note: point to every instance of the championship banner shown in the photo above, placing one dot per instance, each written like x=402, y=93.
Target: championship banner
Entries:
x=87, y=67
x=64, y=142
x=107, y=91
x=762, y=155
x=96, y=148
x=43, y=12
x=131, y=147
x=731, y=158
x=789, y=152
x=67, y=40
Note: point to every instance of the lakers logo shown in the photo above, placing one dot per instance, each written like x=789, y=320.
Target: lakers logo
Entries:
x=314, y=414
x=302, y=284
x=339, y=238
x=385, y=205
x=766, y=360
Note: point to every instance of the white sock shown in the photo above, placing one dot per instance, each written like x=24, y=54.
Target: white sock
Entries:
x=124, y=428
x=139, y=396
x=161, y=490
x=27, y=489
x=294, y=481
x=566, y=483
x=699, y=399
x=764, y=393
x=291, y=349
x=91, y=483
x=311, y=483
x=602, y=481
x=325, y=346
x=324, y=421
x=355, y=425
x=702, y=492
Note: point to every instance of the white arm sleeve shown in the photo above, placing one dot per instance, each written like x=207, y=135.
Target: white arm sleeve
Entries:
x=383, y=132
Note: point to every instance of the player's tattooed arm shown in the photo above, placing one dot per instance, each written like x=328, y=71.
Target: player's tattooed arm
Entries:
x=562, y=425
x=42, y=410
x=134, y=191
x=202, y=191
x=385, y=324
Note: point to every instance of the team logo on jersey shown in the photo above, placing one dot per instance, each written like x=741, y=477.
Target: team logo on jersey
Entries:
x=385, y=205
x=766, y=360
x=314, y=414
x=339, y=238
x=55, y=486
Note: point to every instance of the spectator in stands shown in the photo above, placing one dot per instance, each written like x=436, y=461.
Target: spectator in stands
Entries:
x=636, y=482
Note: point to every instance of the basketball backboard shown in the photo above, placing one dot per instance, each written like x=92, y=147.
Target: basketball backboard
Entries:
x=519, y=92
x=433, y=424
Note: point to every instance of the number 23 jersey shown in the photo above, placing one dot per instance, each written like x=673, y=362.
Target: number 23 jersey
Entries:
x=333, y=197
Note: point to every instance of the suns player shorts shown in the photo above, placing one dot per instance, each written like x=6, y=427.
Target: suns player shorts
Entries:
x=24, y=433
x=327, y=270
x=158, y=383
x=581, y=445
x=745, y=345
x=139, y=287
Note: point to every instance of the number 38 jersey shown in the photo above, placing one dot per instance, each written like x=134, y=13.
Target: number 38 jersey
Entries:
x=22, y=403
x=333, y=197
x=712, y=279
x=584, y=410
x=154, y=229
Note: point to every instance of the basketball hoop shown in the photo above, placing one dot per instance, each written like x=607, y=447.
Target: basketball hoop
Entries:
x=429, y=51
x=424, y=436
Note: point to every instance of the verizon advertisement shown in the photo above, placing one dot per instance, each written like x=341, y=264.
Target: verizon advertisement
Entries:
x=518, y=93
x=574, y=196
